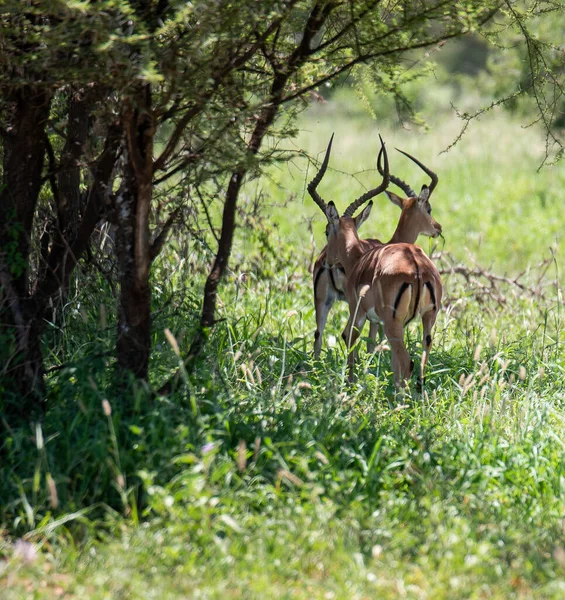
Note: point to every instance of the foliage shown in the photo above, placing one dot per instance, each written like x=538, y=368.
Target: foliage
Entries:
x=525, y=69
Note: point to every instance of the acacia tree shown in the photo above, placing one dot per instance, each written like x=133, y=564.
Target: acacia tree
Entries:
x=139, y=70
x=203, y=82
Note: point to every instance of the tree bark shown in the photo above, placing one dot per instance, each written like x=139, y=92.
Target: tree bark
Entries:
x=79, y=104
x=24, y=149
x=133, y=239
x=65, y=178
x=60, y=262
x=134, y=310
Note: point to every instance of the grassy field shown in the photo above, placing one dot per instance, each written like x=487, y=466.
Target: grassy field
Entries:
x=268, y=476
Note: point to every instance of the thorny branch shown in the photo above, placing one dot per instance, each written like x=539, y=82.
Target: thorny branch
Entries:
x=483, y=285
x=540, y=74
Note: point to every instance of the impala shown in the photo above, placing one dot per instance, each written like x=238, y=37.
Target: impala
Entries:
x=389, y=283
x=415, y=219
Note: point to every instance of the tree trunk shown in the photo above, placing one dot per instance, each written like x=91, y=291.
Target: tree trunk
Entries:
x=208, y=315
x=24, y=149
x=224, y=250
x=21, y=312
x=65, y=178
x=265, y=120
x=133, y=240
x=134, y=316
x=61, y=261
x=79, y=104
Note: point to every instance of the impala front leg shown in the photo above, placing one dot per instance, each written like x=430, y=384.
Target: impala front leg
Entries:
x=324, y=298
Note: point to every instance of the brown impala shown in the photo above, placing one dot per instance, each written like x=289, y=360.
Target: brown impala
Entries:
x=389, y=283
x=415, y=219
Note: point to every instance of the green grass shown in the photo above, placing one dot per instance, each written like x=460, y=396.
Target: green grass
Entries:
x=267, y=475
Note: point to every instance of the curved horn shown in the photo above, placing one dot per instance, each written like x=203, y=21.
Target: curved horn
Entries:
x=375, y=191
x=428, y=172
x=397, y=181
x=314, y=183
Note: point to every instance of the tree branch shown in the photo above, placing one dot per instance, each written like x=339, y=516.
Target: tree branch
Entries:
x=232, y=65
x=160, y=240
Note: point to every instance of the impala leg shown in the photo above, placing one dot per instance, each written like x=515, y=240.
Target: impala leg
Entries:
x=402, y=365
x=428, y=320
x=373, y=333
x=350, y=335
x=324, y=299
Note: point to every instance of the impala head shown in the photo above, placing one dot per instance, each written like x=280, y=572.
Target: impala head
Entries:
x=347, y=221
x=416, y=208
x=338, y=229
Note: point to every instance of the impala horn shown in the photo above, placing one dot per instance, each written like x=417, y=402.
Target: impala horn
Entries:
x=375, y=191
x=428, y=172
x=397, y=181
x=314, y=183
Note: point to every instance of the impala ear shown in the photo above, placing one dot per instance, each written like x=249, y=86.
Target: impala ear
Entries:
x=331, y=213
x=395, y=199
x=424, y=193
x=363, y=215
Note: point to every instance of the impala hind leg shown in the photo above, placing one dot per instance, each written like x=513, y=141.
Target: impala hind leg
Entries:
x=373, y=333
x=350, y=335
x=428, y=320
x=324, y=299
x=402, y=365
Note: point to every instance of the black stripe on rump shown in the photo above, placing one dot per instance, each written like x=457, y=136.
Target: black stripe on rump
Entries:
x=318, y=274
x=401, y=291
x=417, y=293
x=330, y=271
x=432, y=293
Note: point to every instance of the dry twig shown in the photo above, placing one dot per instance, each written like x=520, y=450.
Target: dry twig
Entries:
x=484, y=285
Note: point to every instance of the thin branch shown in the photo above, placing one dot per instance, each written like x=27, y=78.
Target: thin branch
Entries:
x=232, y=65
x=160, y=240
x=482, y=284
x=207, y=213
x=190, y=159
x=467, y=118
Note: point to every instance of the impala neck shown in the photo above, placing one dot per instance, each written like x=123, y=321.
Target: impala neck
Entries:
x=350, y=246
x=405, y=231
